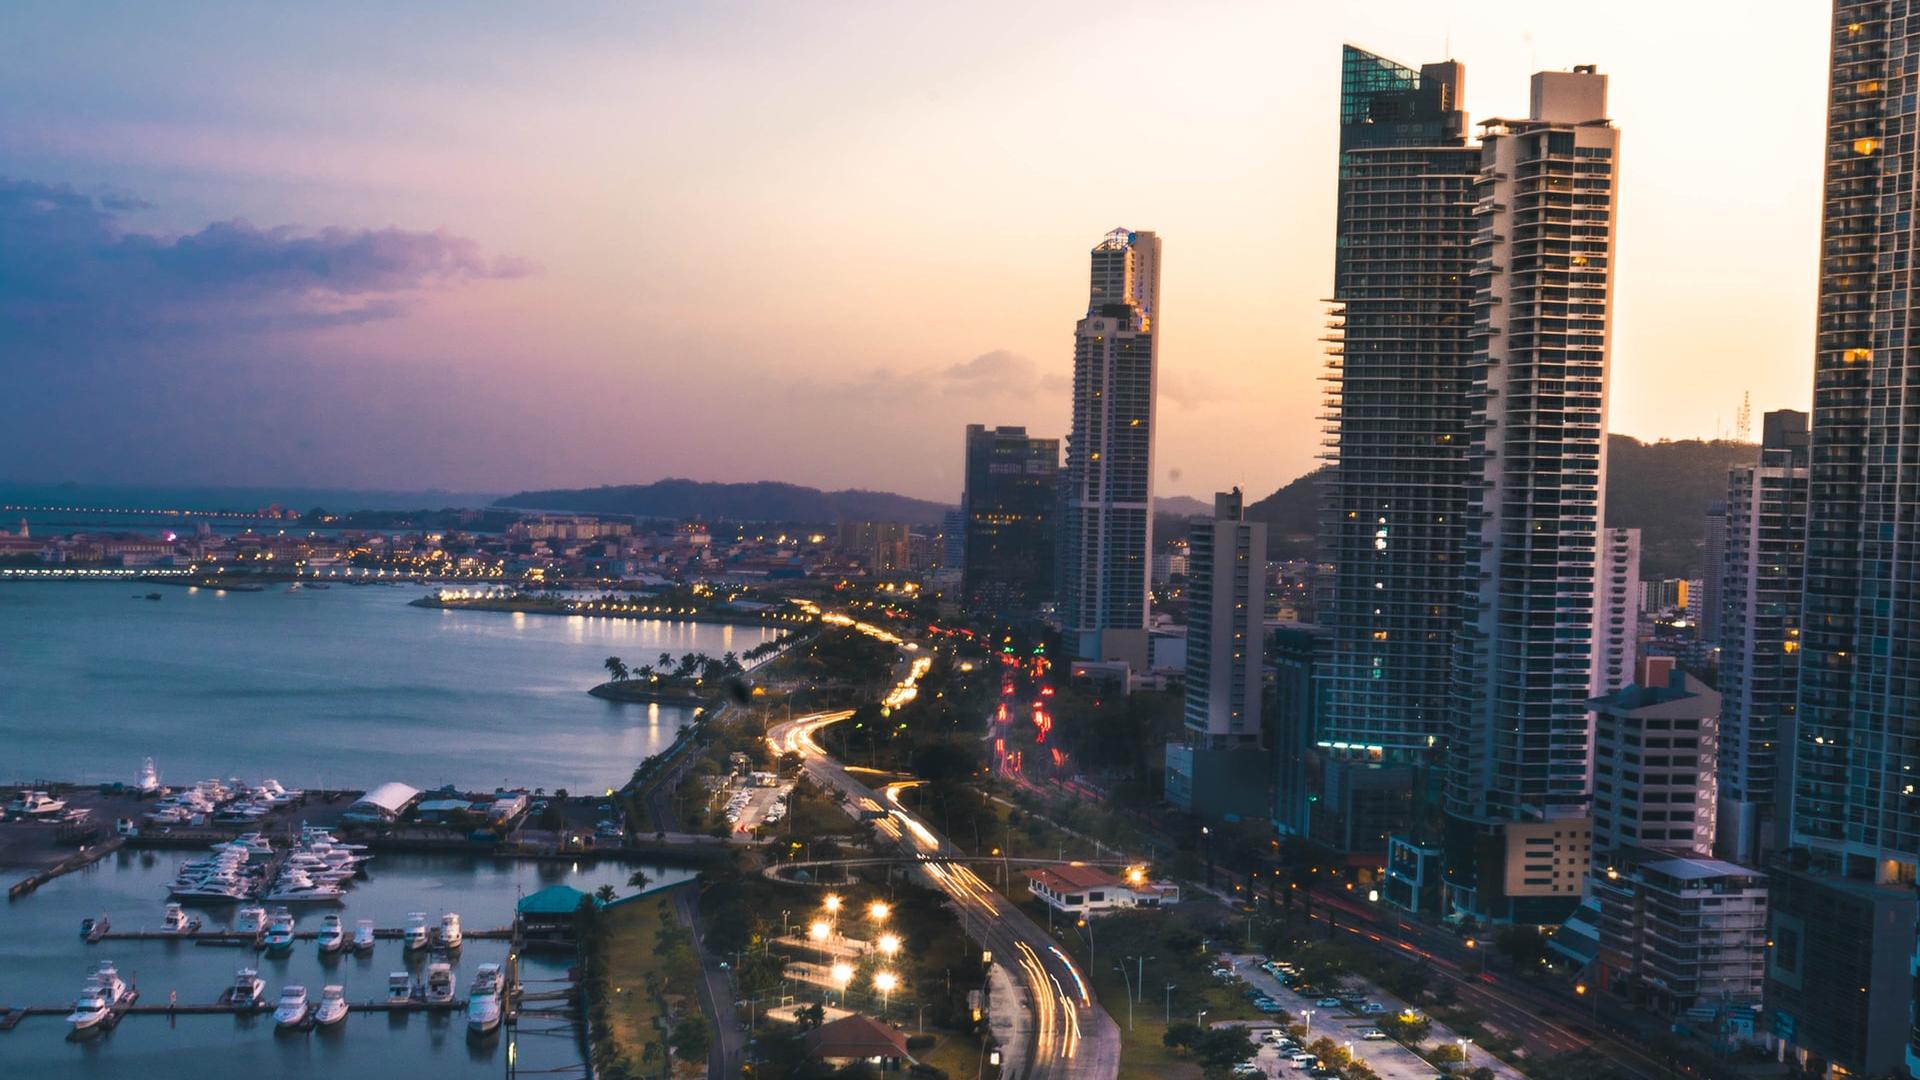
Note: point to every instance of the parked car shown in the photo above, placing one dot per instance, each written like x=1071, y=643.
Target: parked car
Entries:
x=1373, y=1033
x=1373, y=1007
x=1327, y=1003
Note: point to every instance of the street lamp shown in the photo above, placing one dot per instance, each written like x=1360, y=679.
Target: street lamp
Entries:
x=1170, y=989
x=1308, y=1013
x=885, y=982
x=842, y=975
x=878, y=910
x=820, y=929
x=833, y=904
x=889, y=944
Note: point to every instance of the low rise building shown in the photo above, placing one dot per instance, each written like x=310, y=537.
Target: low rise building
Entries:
x=383, y=805
x=1078, y=889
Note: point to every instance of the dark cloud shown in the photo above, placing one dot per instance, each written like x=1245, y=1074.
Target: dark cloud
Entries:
x=69, y=266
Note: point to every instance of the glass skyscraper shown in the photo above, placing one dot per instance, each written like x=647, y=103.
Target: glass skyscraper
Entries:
x=1011, y=498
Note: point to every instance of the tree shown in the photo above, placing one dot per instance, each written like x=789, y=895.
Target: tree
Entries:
x=1225, y=1046
x=604, y=894
x=644, y=673
x=616, y=668
x=810, y=1016
x=691, y=1038
x=1182, y=1035
x=638, y=880
x=665, y=661
x=1523, y=945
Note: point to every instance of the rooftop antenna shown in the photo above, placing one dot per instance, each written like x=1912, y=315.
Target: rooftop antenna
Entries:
x=1743, y=420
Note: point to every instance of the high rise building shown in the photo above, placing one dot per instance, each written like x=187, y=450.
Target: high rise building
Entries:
x=1221, y=767
x=1106, y=530
x=1759, y=640
x=1394, y=506
x=1713, y=555
x=1008, y=508
x=1543, y=277
x=1655, y=745
x=1617, y=614
x=1855, y=823
x=879, y=546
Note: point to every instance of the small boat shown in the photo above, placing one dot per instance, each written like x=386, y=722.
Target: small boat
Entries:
x=92, y=929
x=279, y=939
x=415, y=934
x=148, y=781
x=484, y=1000
x=293, y=1008
x=332, y=936
x=247, y=989
x=251, y=919
x=296, y=887
x=153, y=596
x=399, y=988
x=295, y=587
x=318, y=585
x=448, y=935
x=440, y=984
x=363, y=936
x=333, y=1006
x=176, y=921
x=90, y=1008
x=35, y=804
x=108, y=979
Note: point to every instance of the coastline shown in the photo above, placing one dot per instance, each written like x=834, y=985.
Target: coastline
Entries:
x=545, y=606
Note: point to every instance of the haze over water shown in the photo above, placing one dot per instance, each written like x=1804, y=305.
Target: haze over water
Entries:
x=345, y=687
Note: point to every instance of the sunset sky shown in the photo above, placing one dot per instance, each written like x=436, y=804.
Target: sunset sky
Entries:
x=499, y=246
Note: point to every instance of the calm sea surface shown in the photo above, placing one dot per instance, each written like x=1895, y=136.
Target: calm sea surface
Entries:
x=345, y=687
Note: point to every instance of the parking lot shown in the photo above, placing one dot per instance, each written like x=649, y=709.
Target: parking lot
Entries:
x=1347, y=1026
x=751, y=808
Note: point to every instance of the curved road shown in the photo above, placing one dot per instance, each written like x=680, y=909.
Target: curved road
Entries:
x=1071, y=1036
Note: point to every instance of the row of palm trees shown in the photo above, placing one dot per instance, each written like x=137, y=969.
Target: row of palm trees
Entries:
x=688, y=667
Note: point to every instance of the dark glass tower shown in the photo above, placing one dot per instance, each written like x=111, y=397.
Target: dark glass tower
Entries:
x=1394, y=505
x=1012, y=495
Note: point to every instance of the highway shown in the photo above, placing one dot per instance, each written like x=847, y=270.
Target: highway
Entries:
x=1071, y=1036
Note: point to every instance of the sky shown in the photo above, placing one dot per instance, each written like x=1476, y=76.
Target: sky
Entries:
x=497, y=246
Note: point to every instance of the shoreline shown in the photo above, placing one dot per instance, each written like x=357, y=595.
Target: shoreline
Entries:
x=634, y=692
x=583, y=608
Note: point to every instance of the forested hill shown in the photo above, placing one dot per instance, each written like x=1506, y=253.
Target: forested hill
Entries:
x=761, y=501
x=1660, y=488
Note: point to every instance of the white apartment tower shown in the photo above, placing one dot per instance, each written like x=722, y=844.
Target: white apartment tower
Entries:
x=1106, y=529
x=1616, y=625
x=1226, y=597
x=1523, y=659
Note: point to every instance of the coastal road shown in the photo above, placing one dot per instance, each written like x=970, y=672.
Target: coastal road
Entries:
x=1072, y=1038
x=716, y=992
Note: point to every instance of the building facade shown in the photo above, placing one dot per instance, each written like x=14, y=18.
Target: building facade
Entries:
x=1008, y=508
x=1762, y=576
x=1226, y=596
x=1394, y=505
x=1616, y=625
x=1106, y=527
x=1855, y=818
x=1543, y=277
x=1655, y=747
x=1713, y=556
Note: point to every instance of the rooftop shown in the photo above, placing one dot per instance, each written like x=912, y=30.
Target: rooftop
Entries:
x=1074, y=876
x=856, y=1037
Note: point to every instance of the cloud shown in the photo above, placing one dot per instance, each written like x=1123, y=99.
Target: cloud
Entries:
x=991, y=375
x=69, y=266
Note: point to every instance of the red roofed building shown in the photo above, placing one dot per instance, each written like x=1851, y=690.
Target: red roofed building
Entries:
x=858, y=1039
x=1078, y=889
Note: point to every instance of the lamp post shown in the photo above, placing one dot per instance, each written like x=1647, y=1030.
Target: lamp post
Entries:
x=1308, y=1013
x=1200, y=1018
x=885, y=982
x=1122, y=969
x=842, y=975
x=1170, y=989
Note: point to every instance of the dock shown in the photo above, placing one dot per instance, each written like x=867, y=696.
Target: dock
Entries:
x=11, y=1017
x=229, y=938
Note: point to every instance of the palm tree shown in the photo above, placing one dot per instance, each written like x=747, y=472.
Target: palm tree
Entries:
x=604, y=894
x=638, y=880
x=732, y=661
x=644, y=673
x=617, y=668
x=666, y=661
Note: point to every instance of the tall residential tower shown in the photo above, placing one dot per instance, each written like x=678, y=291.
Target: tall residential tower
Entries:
x=1106, y=531
x=1395, y=501
x=1543, y=282
x=1012, y=495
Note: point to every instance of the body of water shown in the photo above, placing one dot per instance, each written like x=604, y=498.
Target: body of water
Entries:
x=43, y=961
x=341, y=688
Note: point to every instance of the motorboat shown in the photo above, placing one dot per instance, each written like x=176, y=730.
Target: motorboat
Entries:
x=247, y=989
x=35, y=804
x=333, y=1006
x=363, y=936
x=251, y=844
x=415, y=935
x=91, y=1008
x=294, y=886
x=293, y=1008
x=399, y=988
x=484, y=1000
x=448, y=935
x=107, y=977
x=251, y=919
x=90, y=927
x=332, y=936
x=279, y=938
x=176, y=921
x=148, y=782
x=440, y=984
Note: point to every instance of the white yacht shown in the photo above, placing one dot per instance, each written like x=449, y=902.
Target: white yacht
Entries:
x=176, y=921
x=415, y=935
x=148, y=782
x=251, y=919
x=293, y=1007
x=333, y=1006
x=279, y=938
x=35, y=804
x=440, y=984
x=296, y=887
x=247, y=989
x=363, y=936
x=399, y=988
x=332, y=936
x=448, y=936
x=90, y=1008
x=251, y=843
x=484, y=1001
x=107, y=977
